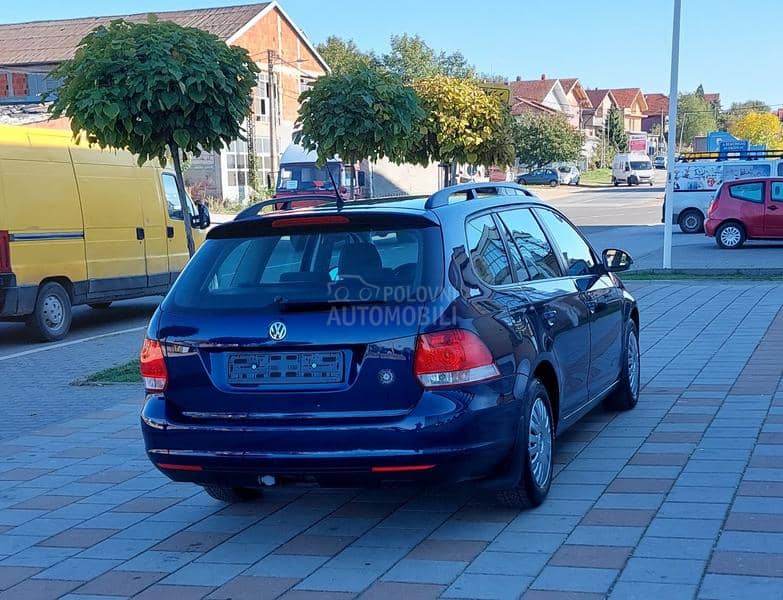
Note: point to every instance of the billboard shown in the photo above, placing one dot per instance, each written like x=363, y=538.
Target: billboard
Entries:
x=637, y=142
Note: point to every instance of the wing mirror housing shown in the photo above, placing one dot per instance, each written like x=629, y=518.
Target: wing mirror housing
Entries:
x=616, y=260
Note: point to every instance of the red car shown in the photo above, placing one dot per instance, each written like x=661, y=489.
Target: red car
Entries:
x=747, y=209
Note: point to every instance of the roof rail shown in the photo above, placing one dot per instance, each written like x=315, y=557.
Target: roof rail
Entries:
x=729, y=154
x=473, y=191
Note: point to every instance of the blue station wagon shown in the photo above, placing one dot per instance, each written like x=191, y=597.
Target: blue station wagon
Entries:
x=419, y=340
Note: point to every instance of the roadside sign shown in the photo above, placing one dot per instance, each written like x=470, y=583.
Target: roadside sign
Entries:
x=637, y=142
x=501, y=92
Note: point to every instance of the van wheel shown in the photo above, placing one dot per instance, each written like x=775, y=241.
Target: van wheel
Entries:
x=730, y=236
x=538, y=449
x=626, y=394
x=51, y=318
x=231, y=495
x=615, y=182
x=691, y=221
x=100, y=305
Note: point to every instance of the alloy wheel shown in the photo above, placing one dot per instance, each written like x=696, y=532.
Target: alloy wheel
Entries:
x=540, y=442
x=633, y=363
x=730, y=236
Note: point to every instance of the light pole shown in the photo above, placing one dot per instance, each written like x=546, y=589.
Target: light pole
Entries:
x=672, y=137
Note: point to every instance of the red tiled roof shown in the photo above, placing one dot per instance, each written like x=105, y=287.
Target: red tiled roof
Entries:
x=42, y=42
x=626, y=96
x=657, y=103
x=713, y=98
x=597, y=96
x=568, y=84
x=534, y=89
x=522, y=106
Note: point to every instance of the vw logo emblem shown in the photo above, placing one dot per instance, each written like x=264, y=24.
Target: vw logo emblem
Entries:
x=277, y=331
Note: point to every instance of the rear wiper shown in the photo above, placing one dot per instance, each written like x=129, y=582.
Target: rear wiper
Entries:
x=287, y=304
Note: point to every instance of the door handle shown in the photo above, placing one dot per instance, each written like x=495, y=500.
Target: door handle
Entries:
x=550, y=317
x=772, y=207
x=139, y=233
x=169, y=232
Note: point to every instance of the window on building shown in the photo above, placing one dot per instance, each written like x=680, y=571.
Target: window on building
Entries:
x=305, y=83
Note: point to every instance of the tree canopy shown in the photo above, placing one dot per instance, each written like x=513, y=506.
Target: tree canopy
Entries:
x=695, y=117
x=462, y=124
x=363, y=113
x=759, y=128
x=615, y=130
x=411, y=58
x=156, y=88
x=344, y=55
x=544, y=139
x=739, y=109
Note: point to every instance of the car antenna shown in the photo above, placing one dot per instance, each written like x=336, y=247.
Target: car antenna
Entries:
x=340, y=200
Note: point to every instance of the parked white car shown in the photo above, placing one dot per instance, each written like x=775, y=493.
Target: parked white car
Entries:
x=568, y=174
x=632, y=168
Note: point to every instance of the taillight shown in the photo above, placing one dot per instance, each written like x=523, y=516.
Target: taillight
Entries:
x=5, y=252
x=452, y=357
x=153, y=366
x=713, y=205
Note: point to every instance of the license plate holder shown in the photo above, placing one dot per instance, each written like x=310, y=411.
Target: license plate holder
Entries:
x=285, y=368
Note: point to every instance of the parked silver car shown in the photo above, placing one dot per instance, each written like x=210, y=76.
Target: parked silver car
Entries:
x=568, y=174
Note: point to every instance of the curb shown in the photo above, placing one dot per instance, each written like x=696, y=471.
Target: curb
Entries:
x=747, y=273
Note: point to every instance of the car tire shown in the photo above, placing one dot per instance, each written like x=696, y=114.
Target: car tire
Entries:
x=52, y=315
x=691, y=221
x=577, y=181
x=99, y=305
x=730, y=236
x=626, y=394
x=538, y=432
x=522, y=182
x=553, y=184
x=232, y=495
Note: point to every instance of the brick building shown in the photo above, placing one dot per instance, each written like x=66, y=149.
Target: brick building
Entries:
x=30, y=50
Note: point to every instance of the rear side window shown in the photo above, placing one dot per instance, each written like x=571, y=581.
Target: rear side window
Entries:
x=777, y=191
x=529, y=238
x=486, y=251
x=749, y=192
x=362, y=264
x=576, y=253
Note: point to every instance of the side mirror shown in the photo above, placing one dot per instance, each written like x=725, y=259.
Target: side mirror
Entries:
x=361, y=178
x=616, y=260
x=204, y=219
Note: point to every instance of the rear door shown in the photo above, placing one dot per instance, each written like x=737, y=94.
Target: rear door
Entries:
x=603, y=299
x=317, y=321
x=773, y=217
x=559, y=305
x=750, y=206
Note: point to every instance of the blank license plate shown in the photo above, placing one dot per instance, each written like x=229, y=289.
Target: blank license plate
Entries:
x=285, y=368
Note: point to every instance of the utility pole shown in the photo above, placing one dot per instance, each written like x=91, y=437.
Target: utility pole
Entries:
x=672, y=134
x=270, y=69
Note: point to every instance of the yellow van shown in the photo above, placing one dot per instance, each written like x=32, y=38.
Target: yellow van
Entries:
x=81, y=225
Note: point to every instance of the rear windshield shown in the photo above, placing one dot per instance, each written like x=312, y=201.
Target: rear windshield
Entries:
x=389, y=265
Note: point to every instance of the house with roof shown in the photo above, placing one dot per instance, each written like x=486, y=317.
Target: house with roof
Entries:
x=632, y=105
x=29, y=51
x=658, y=110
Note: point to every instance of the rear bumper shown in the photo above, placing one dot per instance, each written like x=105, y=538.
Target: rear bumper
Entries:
x=15, y=301
x=442, y=446
x=710, y=226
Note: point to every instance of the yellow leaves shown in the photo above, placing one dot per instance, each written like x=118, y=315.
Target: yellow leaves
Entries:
x=759, y=128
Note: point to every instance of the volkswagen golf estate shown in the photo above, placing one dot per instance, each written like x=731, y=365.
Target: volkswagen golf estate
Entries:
x=423, y=340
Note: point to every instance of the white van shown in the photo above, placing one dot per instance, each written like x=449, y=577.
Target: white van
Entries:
x=696, y=182
x=632, y=168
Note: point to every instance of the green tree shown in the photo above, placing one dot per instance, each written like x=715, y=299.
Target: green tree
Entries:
x=344, y=55
x=739, y=109
x=363, y=113
x=156, y=88
x=759, y=128
x=462, y=125
x=615, y=130
x=695, y=117
x=411, y=58
x=544, y=139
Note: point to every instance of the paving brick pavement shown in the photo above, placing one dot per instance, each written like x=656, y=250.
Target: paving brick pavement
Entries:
x=680, y=498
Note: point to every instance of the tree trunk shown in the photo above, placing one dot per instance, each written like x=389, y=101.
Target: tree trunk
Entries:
x=183, y=203
x=353, y=178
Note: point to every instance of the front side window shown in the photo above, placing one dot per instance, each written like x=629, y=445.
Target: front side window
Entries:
x=749, y=192
x=529, y=238
x=576, y=253
x=486, y=251
x=172, y=198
